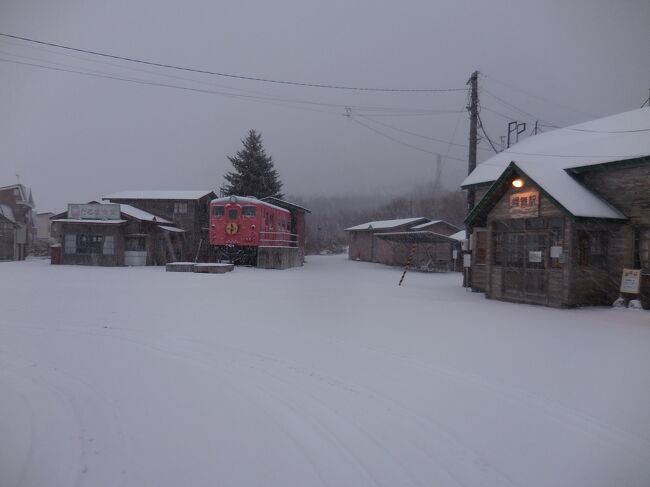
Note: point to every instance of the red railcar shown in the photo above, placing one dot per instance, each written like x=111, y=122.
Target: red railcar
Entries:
x=239, y=225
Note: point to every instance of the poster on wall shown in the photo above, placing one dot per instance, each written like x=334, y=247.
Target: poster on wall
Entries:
x=631, y=280
x=524, y=204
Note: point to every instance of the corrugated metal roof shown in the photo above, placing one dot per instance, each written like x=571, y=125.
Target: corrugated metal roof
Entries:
x=384, y=224
x=158, y=195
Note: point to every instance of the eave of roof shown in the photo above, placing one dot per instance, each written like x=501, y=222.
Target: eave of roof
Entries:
x=416, y=237
x=604, y=210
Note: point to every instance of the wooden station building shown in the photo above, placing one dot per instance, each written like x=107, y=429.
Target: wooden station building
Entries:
x=189, y=210
x=561, y=214
x=111, y=234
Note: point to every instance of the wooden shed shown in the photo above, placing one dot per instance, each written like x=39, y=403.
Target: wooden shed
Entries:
x=429, y=251
x=561, y=215
x=363, y=243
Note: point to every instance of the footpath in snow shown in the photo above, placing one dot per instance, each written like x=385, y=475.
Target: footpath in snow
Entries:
x=327, y=375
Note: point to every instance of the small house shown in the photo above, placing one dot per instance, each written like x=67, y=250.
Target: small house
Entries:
x=17, y=205
x=112, y=234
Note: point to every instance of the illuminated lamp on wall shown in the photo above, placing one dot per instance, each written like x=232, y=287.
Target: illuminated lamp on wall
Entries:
x=518, y=183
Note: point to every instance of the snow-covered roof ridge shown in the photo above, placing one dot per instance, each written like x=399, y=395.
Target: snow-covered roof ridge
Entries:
x=141, y=215
x=614, y=138
x=383, y=224
x=569, y=193
x=7, y=212
x=247, y=199
x=158, y=195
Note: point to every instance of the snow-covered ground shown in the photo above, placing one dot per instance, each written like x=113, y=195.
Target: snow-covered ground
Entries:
x=326, y=375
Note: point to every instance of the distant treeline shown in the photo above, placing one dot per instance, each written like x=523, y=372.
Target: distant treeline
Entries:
x=331, y=214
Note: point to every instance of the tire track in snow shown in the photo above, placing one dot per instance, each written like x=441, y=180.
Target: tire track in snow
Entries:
x=462, y=451
x=65, y=404
x=487, y=473
x=172, y=354
x=605, y=432
x=587, y=424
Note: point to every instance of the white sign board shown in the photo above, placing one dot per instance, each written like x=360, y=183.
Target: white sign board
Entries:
x=467, y=260
x=556, y=252
x=94, y=211
x=631, y=281
x=535, y=256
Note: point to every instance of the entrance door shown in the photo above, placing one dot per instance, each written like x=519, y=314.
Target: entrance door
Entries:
x=135, y=252
x=524, y=273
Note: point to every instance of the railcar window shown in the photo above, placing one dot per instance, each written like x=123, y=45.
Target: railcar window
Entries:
x=248, y=211
x=232, y=213
x=217, y=211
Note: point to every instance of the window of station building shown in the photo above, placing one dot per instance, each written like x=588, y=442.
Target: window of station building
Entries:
x=498, y=248
x=232, y=213
x=70, y=243
x=218, y=211
x=89, y=244
x=248, y=211
x=180, y=207
x=643, y=254
x=109, y=245
x=481, y=247
x=135, y=244
x=592, y=248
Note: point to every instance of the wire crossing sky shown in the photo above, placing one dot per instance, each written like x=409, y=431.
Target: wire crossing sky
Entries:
x=134, y=94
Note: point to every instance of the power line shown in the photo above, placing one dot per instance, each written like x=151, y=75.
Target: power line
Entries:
x=229, y=75
x=261, y=98
x=480, y=124
x=533, y=95
x=513, y=107
x=414, y=134
x=382, y=134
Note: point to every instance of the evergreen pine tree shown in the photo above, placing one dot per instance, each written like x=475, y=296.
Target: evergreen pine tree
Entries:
x=254, y=174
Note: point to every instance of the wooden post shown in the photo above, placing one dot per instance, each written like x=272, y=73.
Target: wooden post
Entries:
x=408, y=263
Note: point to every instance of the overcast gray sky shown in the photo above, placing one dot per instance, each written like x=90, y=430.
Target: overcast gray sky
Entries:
x=73, y=138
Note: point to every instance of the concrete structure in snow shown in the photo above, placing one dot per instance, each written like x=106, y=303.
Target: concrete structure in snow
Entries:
x=561, y=214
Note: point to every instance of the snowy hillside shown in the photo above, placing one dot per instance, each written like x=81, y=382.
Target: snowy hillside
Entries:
x=327, y=375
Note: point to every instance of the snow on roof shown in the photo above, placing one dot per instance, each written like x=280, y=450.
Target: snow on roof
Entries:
x=72, y=220
x=614, y=138
x=7, y=212
x=247, y=199
x=416, y=237
x=287, y=203
x=157, y=195
x=383, y=224
x=172, y=229
x=141, y=215
x=426, y=224
x=462, y=235
x=568, y=192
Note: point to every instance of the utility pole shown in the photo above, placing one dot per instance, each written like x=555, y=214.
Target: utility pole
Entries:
x=471, y=162
x=473, y=139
